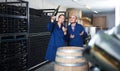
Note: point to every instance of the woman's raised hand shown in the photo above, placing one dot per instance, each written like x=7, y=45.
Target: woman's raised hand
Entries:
x=53, y=18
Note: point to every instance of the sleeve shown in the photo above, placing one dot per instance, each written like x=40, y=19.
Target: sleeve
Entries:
x=85, y=33
x=50, y=26
x=67, y=35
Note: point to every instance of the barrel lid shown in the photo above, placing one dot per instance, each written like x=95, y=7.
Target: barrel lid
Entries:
x=77, y=64
x=70, y=49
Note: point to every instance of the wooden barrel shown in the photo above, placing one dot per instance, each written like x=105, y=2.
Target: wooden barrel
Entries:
x=70, y=59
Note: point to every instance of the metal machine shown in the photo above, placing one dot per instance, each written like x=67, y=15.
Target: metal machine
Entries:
x=105, y=50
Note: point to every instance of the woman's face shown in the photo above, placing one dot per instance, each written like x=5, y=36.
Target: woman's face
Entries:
x=61, y=19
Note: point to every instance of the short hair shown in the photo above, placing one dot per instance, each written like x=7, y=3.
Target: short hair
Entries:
x=61, y=15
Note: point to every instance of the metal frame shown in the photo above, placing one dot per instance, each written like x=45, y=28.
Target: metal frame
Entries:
x=18, y=16
x=15, y=36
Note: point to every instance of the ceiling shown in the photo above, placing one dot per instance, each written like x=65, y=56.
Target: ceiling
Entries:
x=88, y=5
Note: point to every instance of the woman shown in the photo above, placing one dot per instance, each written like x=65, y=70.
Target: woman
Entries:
x=57, y=39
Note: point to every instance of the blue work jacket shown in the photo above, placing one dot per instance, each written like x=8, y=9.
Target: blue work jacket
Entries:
x=77, y=40
x=57, y=40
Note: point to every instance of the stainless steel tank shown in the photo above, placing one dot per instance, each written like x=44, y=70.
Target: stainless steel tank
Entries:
x=105, y=50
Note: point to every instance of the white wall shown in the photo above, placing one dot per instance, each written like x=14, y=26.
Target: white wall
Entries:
x=117, y=15
x=110, y=19
x=43, y=4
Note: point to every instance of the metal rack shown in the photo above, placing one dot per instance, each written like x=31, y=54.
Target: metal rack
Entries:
x=14, y=17
x=14, y=25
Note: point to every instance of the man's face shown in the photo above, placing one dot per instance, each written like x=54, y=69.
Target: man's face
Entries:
x=72, y=19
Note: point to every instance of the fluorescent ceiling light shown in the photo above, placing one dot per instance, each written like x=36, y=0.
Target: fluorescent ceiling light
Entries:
x=95, y=11
x=74, y=0
x=88, y=7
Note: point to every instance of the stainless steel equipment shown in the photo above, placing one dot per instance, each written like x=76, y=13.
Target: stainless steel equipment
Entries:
x=105, y=49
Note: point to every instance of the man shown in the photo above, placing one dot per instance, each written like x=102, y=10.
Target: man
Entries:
x=75, y=33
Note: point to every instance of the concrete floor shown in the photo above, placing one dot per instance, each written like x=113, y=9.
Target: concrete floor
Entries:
x=46, y=67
